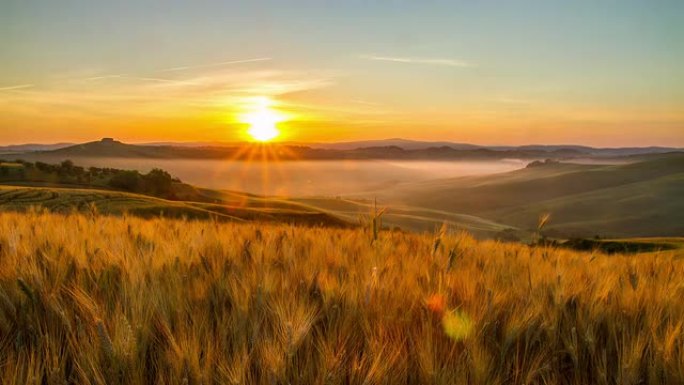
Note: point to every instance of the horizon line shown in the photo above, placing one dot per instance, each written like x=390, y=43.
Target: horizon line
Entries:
x=223, y=143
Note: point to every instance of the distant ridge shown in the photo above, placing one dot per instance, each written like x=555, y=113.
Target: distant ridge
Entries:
x=406, y=144
x=389, y=149
x=28, y=147
x=108, y=147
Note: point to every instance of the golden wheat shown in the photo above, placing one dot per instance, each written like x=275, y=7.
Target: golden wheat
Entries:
x=117, y=300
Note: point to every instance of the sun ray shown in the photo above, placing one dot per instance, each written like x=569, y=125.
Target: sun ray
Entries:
x=261, y=120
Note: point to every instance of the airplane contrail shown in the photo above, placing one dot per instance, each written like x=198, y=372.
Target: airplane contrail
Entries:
x=184, y=68
x=159, y=80
x=103, y=77
x=414, y=60
x=17, y=87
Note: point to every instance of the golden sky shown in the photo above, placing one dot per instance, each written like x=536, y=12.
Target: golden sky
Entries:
x=165, y=71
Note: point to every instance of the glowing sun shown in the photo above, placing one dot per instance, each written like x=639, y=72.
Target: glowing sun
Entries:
x=263, y=122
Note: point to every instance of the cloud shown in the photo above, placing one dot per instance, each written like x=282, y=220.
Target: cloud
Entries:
x=366, y=103
x=139, y=78
x=514, y=101
x=160, y=80
x=415, y=60
x=219, y=64
x=103, y=77
x=210, y=92
x=16, y=87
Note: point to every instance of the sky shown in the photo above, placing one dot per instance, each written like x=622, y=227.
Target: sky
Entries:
x=602, y=73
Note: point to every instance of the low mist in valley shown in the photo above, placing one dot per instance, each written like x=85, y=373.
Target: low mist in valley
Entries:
x=304, y=178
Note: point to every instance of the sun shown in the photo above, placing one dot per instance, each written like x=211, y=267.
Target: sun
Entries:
x=262, y=126
x=263, y=121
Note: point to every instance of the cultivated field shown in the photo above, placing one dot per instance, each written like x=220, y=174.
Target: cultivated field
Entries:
x=92, y=299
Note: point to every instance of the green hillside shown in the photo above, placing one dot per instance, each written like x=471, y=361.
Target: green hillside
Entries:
x=637, y=199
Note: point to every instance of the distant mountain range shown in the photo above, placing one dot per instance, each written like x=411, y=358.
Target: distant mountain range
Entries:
x=397, y=149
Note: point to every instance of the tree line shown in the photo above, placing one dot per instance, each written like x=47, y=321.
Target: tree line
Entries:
x=157, y=182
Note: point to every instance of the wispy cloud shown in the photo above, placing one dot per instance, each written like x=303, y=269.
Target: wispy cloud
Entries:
x=416, y=60
x=366, y=103
x=16, y=87
x=165, y=80
x=103, y=77
x=139, y=78
x=161, y=80
x=219, y=64
x=513, y=101
x=179, y=95
x=200, y=94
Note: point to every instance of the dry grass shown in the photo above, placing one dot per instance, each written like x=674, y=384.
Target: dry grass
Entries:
x=111, y=300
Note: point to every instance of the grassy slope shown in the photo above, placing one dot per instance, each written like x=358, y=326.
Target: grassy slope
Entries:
x=407, y=217
x=202, y=203
x=649, y=208
x=642, y=198
x=114, y=202
x=233, y=205
x=95, y=300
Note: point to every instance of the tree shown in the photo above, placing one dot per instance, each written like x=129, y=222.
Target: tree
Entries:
x=44, y=167
x=67, y=165
x=127, y=180
x=158, y=182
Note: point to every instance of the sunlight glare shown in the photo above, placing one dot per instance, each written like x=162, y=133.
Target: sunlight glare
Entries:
x=262, y=121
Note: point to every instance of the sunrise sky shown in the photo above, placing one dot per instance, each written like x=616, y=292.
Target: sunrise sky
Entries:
x=604, y=73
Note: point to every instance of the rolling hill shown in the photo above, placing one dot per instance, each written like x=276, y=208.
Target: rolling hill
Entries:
x=636, y=199
x=66, y=187
x=639, y=197
x=410, y=217
x=236, y=207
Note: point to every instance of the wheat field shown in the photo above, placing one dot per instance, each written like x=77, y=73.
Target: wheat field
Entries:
x=94, y=299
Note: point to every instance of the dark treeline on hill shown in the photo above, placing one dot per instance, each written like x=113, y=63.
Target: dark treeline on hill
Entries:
x=157, y=182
